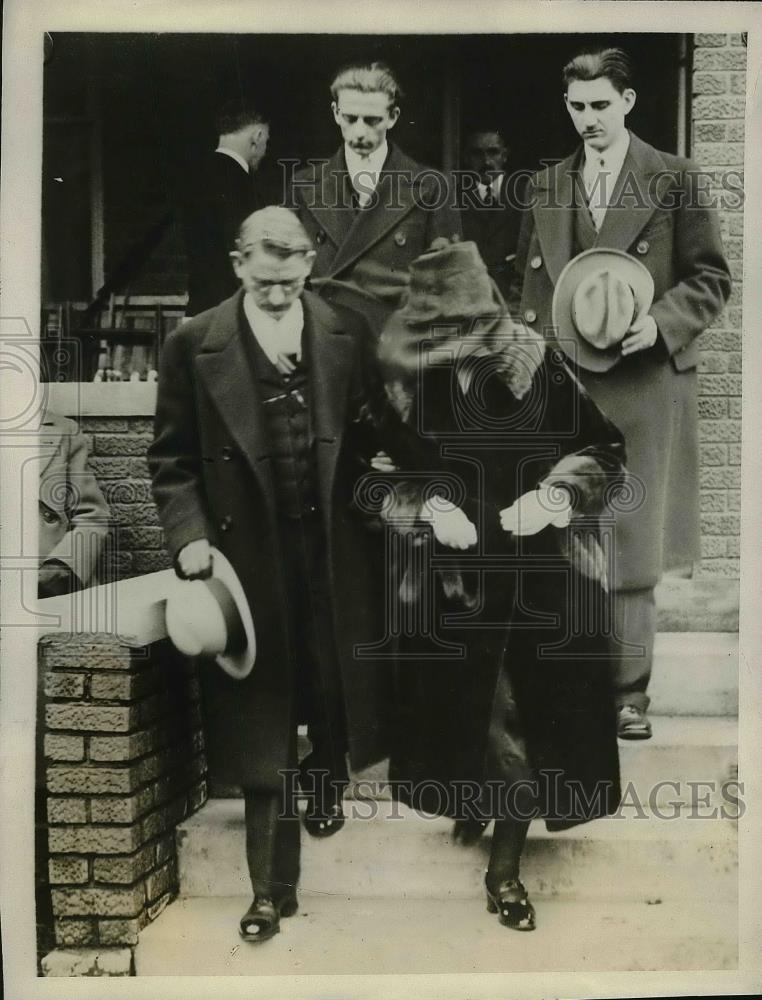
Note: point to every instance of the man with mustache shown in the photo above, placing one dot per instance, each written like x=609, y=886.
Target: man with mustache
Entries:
x=618, y=192
x=370, y=210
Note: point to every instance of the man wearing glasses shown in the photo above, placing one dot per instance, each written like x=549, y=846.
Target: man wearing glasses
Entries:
x=255, y=453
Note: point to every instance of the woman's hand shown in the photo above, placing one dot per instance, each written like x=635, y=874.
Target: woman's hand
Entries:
x=537, y=509
x=450, y=525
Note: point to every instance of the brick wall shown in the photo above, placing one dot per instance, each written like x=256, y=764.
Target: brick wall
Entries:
x=718, y=108
x=124, y=763
x=118, y=459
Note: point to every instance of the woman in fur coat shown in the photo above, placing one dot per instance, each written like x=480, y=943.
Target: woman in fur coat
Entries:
x=505, y=710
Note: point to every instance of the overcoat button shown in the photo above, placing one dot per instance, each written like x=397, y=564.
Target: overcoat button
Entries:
x=530, y=315
x=320, y=237
x=226, y=523
x=400, y=239
x=536, y=262
x=643, y=246
x=227, y=453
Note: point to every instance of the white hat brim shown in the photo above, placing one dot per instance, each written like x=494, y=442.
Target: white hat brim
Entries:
x=236, y=665
x=629, y=269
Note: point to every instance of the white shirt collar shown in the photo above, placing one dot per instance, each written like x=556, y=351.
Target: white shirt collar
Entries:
x=495, y=184
x=364, y=170
x=611, y=159
x=276, y=336
x=233, y=156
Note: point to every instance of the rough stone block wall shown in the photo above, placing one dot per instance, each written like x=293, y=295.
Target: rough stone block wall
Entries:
x=118, y=459
x=124, y=763
x=718, y=109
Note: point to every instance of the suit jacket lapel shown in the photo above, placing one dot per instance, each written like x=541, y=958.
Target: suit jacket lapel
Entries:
x=224, y=368
x=632, y=201
x=332, y=208
x=330, y=353
x=394, y=198
x=554, y=212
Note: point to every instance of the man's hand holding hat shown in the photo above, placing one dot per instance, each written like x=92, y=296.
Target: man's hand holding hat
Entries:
x=641, y=335
x=194, y=560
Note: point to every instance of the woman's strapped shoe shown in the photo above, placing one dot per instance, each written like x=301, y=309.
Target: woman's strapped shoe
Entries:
x=511, y=903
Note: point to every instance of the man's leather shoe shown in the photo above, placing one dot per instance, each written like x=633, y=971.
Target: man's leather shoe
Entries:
x=324, y=815
x=262, y=919
x=468, y=831
x=632, y=723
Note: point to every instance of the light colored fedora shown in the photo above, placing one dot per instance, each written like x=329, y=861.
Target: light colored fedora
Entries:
x=212, y=618
x=598, y=296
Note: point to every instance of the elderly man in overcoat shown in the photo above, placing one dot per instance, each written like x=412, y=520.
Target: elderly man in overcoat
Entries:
x=617, y=191
x=370, y=209
x=255, y=453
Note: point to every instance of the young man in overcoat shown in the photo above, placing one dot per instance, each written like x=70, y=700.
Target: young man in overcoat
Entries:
x=617, y=191
x=370, y=209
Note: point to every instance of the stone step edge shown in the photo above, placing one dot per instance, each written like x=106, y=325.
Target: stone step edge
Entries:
x=647, y=827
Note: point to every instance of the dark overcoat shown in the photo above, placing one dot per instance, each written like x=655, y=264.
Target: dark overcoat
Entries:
x=495, y=231
x=212, y=477
x=658, y=213
x=215, y=197
x=363, y=256
x=512, y=686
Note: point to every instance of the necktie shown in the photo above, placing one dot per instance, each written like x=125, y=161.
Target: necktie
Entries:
x=488, y=198
x=286, y=364
x=598, y=194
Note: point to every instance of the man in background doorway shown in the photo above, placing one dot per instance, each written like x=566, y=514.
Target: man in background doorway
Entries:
x=490, y=215
x=222, y=192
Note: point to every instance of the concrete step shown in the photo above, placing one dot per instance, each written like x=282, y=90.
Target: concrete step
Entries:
x=334, y=934
x=386, y=850
x=697, y=605
x=685, y=759
x=695, y=673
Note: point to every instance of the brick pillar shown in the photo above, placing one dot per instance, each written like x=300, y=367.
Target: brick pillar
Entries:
x=718, y=109
x=124, y=762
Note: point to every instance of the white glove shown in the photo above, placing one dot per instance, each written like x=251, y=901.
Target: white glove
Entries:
x=450, y=524
x=537, y=509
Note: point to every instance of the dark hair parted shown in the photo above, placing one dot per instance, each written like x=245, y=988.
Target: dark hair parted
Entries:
x=368, y=78
x=612, y=63
x=233, y=116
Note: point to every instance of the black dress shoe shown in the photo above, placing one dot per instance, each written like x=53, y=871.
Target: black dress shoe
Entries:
x=632, y=723
x=468, y=831
x=511, y=903
x=261, y=921
x=324, y=815
x=287, y=905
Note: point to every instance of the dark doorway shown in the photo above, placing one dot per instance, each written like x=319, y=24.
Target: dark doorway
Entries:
x=145, y=105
